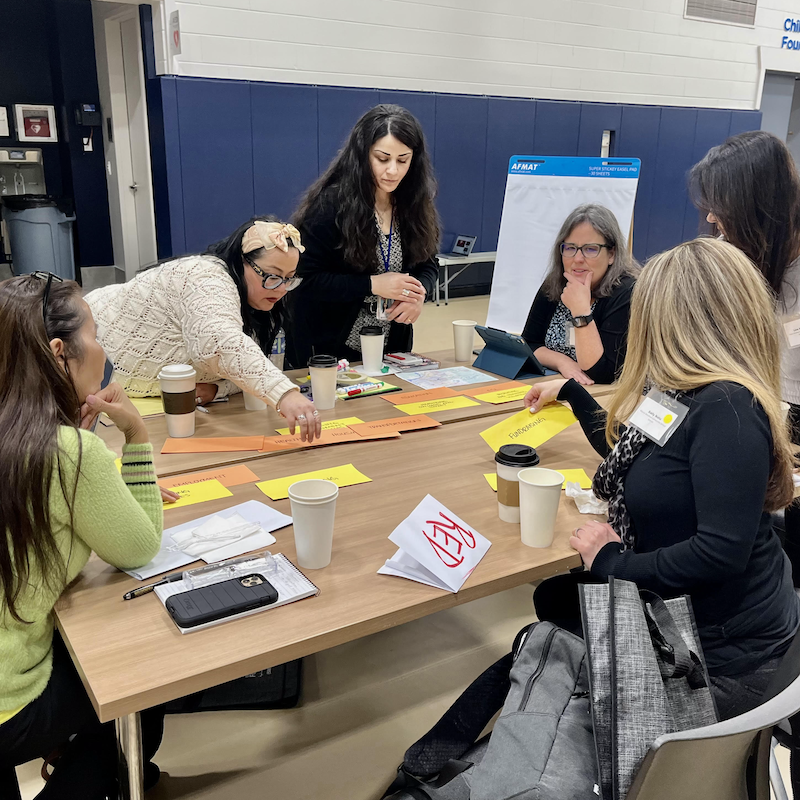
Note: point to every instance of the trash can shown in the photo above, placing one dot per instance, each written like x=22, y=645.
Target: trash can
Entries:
x=40, y=234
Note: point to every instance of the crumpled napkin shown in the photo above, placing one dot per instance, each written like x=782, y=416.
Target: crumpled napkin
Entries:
x=212, y=534
x=585, y=499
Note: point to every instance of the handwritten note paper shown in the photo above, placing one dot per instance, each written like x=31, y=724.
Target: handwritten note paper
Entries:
x=417, y=422
x=227, y=476
x=148, y=406
x=437, y=548
x=198, y=493
x=418, y=397
x=331, y=424
x=431, y=406
x=501, y=387
x=504, y=395
x=345, y=475
x=530, y=429
x=223, y=444
x=277, y=444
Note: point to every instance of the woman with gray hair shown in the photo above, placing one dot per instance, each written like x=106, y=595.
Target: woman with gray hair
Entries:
x=578, y=323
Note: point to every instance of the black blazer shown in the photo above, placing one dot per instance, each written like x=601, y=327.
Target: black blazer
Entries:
x=611, y=316
x=323, y=309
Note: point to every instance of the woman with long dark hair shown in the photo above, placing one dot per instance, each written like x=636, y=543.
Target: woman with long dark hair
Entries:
x=371, y=233
x=219, y=311
x=749, y=189
x=61, y=497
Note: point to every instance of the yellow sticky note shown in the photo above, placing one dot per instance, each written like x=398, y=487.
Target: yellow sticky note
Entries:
x=118, y=464
x=431, y=406
x=576, y=476
x=148, y=406
x=504, y=395
x=530, y=429
x=344, y=475
x=198, y=493
x=329, y=425
x=491, y=479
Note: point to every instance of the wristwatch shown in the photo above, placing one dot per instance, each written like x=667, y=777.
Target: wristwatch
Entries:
x=582, y=322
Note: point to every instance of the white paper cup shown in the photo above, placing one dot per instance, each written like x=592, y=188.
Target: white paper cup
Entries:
x=539, y=496
x=253, y=403
x=313, y=510
x=372, y=349
x=464, y=336
x=179, y=392
x=323, y=371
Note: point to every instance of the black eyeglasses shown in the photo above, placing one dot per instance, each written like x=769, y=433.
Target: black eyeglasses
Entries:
x=49, y=277
x=272, y=281
x=588, y=250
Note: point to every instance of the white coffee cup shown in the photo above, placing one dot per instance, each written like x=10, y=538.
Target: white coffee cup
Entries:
x=313, y=510
x=539, y=496
x=179, y=393
x=464, y=337
x=372, y=349
x=253, y=403
x=323, y=371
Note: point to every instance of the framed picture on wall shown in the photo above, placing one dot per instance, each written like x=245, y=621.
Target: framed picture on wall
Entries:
x=35, y=123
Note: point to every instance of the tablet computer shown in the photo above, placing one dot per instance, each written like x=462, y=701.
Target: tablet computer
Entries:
x=508, y=354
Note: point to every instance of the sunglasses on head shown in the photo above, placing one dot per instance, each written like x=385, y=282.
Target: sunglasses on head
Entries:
x=272, y=281
x=49, y=277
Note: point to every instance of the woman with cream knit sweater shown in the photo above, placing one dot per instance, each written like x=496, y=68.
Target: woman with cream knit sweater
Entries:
x=219, y=311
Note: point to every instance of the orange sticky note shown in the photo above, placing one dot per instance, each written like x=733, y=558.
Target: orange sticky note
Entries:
x=421, y=396
x=274, y=444
x=223, y=444
x=500, y=387
x=228, y=476
x=398, y=424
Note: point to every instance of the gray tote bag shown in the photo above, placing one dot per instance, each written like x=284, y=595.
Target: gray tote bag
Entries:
x=647, y=675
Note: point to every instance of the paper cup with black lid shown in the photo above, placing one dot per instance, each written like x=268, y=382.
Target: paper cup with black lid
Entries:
x=372, y=349
x=510, y=460
x=323, y=371
x=179, y=394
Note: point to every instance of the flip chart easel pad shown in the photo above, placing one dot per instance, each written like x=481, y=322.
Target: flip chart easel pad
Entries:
x=541, y=192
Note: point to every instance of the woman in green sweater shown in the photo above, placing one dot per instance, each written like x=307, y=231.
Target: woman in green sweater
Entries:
x=61, y=497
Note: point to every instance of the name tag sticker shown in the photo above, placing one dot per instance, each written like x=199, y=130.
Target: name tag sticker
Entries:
x=658, y=416
x=791, y=330
x=570, y=334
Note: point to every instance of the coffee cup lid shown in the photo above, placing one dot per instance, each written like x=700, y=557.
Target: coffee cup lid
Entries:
x=372, y=330
x=322, y=361
x=517, y=455
x=176, y=372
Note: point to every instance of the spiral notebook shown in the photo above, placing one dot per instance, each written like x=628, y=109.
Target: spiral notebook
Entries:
x=288, y=581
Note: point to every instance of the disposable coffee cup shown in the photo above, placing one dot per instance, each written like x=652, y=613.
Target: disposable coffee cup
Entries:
x=313, y=510
x=372, y=349
x=539, y=496
x=463, y=337
x=179, y=394
x=253, y=403
x=323, y=381
x=511, y=459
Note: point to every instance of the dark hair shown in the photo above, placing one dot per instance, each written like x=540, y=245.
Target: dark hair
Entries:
x=37, y=396
x=605, y=223
x=263, y=326
x=348, y=184
x=750, y=184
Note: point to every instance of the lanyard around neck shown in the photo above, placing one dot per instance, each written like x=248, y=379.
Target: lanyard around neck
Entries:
x=386, y=255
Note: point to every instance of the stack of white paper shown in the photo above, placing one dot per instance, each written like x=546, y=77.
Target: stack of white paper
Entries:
x=436, y=547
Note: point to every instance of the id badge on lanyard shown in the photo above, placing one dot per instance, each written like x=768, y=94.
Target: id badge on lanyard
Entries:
x=658, y=416
x=791, y=330
x=383, y=305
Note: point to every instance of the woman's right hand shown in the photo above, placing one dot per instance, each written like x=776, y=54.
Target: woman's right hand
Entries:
x=541, y=394
x=397, y=286
x=115, y=404
x=569, y=369
x=299, y=412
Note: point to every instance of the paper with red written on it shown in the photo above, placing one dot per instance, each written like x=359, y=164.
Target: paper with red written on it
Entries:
x=421, y=396
x=437, y=548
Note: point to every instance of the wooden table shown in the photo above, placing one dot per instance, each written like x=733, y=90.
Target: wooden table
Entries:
x=231, y=419
x=131, y=656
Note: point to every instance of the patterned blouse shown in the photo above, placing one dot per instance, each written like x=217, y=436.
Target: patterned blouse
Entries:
x=557, y=337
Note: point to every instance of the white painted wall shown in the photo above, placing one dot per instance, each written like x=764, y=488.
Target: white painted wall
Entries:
x=634, y=51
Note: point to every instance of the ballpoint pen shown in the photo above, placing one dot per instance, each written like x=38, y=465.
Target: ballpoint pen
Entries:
x=140, y=590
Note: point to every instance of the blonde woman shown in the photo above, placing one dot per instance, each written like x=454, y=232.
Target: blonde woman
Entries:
x=692, y=515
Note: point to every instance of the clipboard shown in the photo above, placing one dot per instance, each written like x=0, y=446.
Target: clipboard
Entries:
x=508, y=355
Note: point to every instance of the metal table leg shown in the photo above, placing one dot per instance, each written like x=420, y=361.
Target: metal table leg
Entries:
x=447, y=284
x=131, y=758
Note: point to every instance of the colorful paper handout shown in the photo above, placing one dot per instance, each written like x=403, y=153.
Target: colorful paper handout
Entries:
x=432, y=406
x=198, y=493
x=531, y=429
x=227, y=476
x=344, y=475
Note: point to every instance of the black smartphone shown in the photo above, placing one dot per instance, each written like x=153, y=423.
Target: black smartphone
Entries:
x=220, y=600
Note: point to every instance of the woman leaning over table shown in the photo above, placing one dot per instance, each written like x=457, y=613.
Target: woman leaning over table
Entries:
x=749, y=189
x=578, y=323
x=371, y=233
x=61, y=498
x=219, y=311
x=693, y=516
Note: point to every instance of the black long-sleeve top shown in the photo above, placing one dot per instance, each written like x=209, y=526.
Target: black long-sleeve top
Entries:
x=611, y=316
x=697, y=509
x=324, y=308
